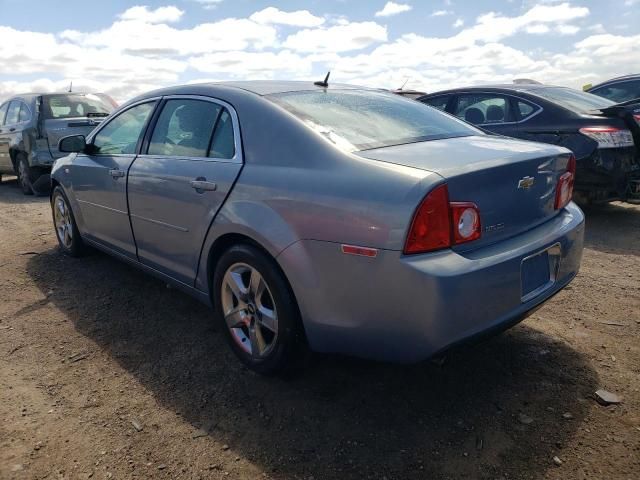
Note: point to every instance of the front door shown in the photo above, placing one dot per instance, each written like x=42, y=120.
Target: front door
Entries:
x=100, y=178
x=175, y=190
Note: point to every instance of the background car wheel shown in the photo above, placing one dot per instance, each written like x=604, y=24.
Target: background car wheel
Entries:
x=258, y=311
x=65, y=224
x=25, y=175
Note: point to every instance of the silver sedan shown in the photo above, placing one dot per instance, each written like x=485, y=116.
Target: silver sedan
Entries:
x=323, y=218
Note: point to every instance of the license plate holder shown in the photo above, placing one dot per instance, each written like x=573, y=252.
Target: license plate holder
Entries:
x=538, y=272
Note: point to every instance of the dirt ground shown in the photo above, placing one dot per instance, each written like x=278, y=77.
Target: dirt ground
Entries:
x=106, y=373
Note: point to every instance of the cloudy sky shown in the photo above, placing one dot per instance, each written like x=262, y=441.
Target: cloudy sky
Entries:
x=124, y=48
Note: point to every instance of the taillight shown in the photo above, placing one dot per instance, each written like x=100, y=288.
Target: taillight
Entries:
x=609, y=137
x=439, y=224
x=637, y=117
x=564, y=189
x=466, y=221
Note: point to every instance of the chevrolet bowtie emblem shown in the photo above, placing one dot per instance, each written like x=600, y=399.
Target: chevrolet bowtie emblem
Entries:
x=526, y=183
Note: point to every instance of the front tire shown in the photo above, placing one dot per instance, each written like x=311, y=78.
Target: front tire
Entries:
x=64, y=223
x=258, y=311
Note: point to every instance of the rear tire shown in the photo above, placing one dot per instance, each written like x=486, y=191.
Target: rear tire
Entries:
x=65, y=226
x=258, y=312
x=25, y=175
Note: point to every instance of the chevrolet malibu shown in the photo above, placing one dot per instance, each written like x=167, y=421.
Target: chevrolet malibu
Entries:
x=323, y=218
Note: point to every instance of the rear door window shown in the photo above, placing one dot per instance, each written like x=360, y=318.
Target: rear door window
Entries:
x=13, y=114
x=193, y=128
x=3, y=112
x=483, y=108
x=184, y=128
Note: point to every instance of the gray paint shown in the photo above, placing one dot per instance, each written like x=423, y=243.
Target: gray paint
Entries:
x=300, y=198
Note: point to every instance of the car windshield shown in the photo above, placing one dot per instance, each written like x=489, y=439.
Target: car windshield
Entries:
x=573, y=100
x=77, y=105
x=361, y=119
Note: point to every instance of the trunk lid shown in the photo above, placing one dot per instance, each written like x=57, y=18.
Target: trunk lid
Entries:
x=512, y=182
x=57, y=128
x=629, y=112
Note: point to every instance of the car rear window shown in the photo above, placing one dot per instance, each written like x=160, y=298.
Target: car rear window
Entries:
x=574, y=100
x=363, y=119
x=76, y=105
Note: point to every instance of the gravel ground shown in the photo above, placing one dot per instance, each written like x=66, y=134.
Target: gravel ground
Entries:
x=106, y=373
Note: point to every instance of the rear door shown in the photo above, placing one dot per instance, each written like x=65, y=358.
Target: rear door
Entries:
x=193, y=156
x=100, y=177
x=5, y=159
x=490, y=111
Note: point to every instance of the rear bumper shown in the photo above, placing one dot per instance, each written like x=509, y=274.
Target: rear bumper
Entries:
x=608, y=175
x=408, y=308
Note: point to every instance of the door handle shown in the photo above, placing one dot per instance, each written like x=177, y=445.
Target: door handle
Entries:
x=12, y=129
x=116, y=173
x=201, y=185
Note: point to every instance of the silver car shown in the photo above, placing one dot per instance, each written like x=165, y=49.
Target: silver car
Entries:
x=31, y=125
x=324, y=218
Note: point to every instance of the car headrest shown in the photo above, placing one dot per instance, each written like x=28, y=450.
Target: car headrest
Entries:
x=474, y=115
x=495, y=113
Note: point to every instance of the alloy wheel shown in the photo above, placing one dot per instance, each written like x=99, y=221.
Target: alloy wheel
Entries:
x=62, y=220
x=249, y=310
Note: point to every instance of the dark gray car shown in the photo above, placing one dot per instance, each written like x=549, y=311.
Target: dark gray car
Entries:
x=31, y=126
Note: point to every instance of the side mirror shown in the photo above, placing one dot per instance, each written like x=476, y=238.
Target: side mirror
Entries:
x=72, y=144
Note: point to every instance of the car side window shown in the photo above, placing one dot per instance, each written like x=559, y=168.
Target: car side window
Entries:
x=438, y=102
x=13, y=114
x=481, y=109
x=223, y=143
x=121, y=135
x=25, y=113
x=3, y=113
x=526, y=109
x=619, y=92
x=184, y=128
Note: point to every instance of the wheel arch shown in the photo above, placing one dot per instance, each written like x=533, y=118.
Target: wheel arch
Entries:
x=230, y=239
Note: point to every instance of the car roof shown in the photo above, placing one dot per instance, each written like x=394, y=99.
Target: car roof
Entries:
x=633, y=76
x=268, y=87
x=529, y=87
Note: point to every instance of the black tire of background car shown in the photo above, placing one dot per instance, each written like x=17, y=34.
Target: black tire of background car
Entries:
x=291, y=352
x=25, y=182
x=78, y=247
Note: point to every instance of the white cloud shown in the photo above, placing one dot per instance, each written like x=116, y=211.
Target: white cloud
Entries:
x=255, y=65
x=441, y=13
x=159, y=15
x=299, y=18
x=392, y=8
x=567, y=29
x=537, y=28
x=458, y=23
x=140, y=53
x=161, y=40
x=338, y=38
x=209, y=4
